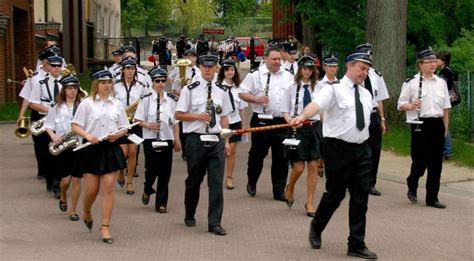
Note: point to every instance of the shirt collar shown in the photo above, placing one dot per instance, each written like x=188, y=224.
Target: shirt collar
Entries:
x=97, y=98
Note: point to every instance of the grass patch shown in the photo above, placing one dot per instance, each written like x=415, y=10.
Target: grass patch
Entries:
x=398, y=140
x=9, y=111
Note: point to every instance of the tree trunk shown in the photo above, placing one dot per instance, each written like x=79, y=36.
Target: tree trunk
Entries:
x=386, y=30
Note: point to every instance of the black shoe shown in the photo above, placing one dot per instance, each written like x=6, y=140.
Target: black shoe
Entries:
x=412, y=197
x=88, y=223
x=74, y=217
x=136, y=174
x=190, y=221
x=289, y=203
x=217, y=230
x=57, y=194
x=251, y=189
x=49, y=188
x=130, y=191
x=436, y=204
x=280, y=197
x=374, y=192
x=107, y=240
x=121, y=182
x=145, y=199
x=362, y=253
x=314, y=238
x=161, y=210
x=309, y=214
x=62, y=206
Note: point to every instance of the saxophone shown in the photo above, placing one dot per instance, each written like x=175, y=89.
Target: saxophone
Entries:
x=130, y=110
x=68, y=140
x=37, y=128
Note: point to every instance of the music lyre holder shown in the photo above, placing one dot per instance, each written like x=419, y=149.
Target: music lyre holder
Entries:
x=292, y=142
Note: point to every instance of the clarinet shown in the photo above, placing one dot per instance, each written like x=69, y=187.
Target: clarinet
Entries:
x=267, y=88
x=158, y=103
x=209, y=105
x=293, y=135
x=418, y=128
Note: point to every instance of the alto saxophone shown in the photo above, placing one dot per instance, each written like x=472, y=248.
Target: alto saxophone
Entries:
x=68, y=140
x=37, y=127
x=130, y=110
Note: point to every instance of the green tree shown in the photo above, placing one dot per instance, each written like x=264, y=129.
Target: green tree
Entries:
x=229, y=11
x=191, y=16
x=145, y=14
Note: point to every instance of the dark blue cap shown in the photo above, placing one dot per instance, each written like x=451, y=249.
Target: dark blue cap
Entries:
x=273, y=43
x=359, y=56
x=284, y=46
x=208, y=59
x=331, y=60
x=119, y=51
x=157, y=72
x=365, y=47
x=128, y=62
x=190, y=52
x=306, y=61
x=129, y=48
x=228, y=63
x=70, y=79
x=426, y=54
x=55, y=60
x=101, y=75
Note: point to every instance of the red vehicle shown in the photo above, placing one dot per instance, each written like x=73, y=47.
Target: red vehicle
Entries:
x=244, y=43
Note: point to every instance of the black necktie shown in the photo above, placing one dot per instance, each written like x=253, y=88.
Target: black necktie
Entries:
x=231, y=97
x=194, y=72
x=56, y=89
x=291, y=69
x=359, y=112
x=368, y=85
x=306, y=95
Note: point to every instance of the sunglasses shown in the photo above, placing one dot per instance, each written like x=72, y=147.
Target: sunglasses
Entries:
x=55, y=65
x=158, y=81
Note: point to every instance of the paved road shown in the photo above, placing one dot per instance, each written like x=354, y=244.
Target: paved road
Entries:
x=33, y=228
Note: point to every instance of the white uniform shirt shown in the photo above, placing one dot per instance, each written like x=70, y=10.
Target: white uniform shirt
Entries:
x=100, y=117
x=289, y=100
x=25, y=92
x=174, y=75
x=379, y=89
x=59, y=119
x=146, y=112
x=142, y=76
x=234, y=116
x=195, y=100
x=115, y=69
x=321, y=83
x=434, y=97
x=287, y=65
x=135, y=92
x=43, y=92
x=337, y=101
x=255, y=82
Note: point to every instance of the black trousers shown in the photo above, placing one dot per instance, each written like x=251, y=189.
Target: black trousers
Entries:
x=46, y=161
x=348, y=165
x=261, y=142
x=375, y=144
x=201, y=159
x=427, y=153
x=182, y=137
x=158, y=165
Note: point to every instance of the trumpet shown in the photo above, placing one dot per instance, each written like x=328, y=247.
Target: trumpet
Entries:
x=23, y=130
x=27, y=72
x=68, y=140
x=182, y=63
x=130, y=110
x=37, y=127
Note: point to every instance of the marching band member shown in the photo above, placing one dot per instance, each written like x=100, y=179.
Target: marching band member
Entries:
x=330, y=67
x=161, y=134
x=116, y=68
x=97, y=116
x=142, y=75
x=425, y=97
x=43, y=98
x=263, y=88
x=296, y=97
x=127, y=91
x=375, y=84
x=205, y=118
x=191, y=71
x=347, y=106
x=58, y=123
x=228, y=76
x=290, y=63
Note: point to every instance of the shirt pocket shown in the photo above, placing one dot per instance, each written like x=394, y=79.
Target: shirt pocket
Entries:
x=198, y=104
x=439, y=98
x=347, y=107
x=113, y=116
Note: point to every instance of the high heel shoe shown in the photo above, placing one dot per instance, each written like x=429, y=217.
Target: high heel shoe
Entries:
x=107, y=240
x=88, y=223
x=309, y=214
x=289, y=201
x=63, y=206
x=130, y=191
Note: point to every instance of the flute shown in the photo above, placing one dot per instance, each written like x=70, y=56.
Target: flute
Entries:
x=87, y=144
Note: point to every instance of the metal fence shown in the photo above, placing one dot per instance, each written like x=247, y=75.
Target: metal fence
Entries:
x=462, y=116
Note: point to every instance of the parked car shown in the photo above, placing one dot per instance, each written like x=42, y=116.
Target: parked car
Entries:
x=259, y=43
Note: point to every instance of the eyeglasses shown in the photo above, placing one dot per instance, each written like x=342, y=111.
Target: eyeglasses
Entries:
x=158, y=81
x=55, y=65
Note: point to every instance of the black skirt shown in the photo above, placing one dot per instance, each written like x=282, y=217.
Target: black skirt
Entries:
x=64, y=164
x=135, y=130
x=100, y=159
x=235, y=126
x=310, y=147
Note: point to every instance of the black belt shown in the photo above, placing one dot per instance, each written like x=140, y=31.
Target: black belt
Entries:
x=375, y=109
